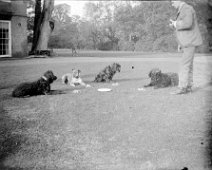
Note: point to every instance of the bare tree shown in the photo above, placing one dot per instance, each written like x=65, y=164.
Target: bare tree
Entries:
x=36, y=27
x=61, y=13
x=43, y=25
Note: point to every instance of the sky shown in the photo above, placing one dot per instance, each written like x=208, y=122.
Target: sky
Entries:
x=76, y=6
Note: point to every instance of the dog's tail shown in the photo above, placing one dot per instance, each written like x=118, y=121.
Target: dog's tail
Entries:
x=65, y=79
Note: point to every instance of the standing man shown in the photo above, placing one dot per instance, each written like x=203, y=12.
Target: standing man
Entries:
x=188, y=38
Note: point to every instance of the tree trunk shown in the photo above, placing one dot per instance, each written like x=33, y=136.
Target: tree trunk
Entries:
x=45, y=29
x=37, y=23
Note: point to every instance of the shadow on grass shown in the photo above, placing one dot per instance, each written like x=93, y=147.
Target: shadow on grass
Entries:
x=120, y=80
x=10, y=142
x=57, y=92
x=209, y=129
x=195, y=89
x=130, y=79
x=209, y=136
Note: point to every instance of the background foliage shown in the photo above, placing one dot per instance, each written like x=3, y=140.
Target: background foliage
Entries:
x=124, y=25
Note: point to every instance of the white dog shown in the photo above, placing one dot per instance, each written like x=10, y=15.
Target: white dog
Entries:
x=73, y=78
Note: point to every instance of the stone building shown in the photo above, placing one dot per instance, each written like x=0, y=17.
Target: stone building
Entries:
x=13, y=28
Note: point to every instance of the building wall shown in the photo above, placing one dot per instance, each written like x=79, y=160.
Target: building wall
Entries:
x=5, y=9
x=19, y=36
x=15, y=11
x=19, y=7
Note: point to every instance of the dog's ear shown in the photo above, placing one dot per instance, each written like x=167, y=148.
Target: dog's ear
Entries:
x=118, y=65
x=150, y=74
x=158, y=73
x=48, y=72
x=79, y=71
x=74, y=71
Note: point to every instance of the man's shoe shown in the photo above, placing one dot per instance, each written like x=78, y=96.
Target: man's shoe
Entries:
x=180, y=91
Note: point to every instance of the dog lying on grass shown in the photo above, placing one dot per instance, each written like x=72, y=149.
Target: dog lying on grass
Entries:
x=39, y=87
x=73, y=79
x=161, y=80
x=107, y=73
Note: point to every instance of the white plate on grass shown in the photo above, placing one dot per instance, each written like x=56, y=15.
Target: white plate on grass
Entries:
x=104, y=89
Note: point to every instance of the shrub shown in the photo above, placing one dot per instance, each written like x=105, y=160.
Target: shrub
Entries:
x=105, y=46
x=165, y=43
x=144, y=45
x=126, y=46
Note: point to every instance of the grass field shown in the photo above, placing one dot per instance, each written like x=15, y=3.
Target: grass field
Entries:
x=124, y=129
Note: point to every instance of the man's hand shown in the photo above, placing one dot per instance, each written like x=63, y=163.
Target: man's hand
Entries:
x=179, y=48
x=172, y=23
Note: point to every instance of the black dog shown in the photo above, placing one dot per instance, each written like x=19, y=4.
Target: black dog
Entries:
x=161, y=80
x=39, y=87
x=107, y=73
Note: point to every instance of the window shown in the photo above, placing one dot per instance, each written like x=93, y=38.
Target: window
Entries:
x=5, y=39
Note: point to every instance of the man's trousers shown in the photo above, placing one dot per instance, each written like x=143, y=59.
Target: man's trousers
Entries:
x=186, y=67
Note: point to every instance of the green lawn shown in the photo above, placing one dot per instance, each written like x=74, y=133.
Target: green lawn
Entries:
x=119, y=130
